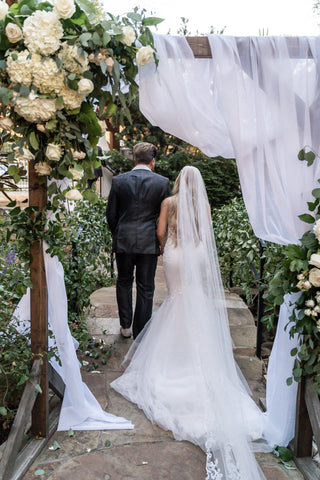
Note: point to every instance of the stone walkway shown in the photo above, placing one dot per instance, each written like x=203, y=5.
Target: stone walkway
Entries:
x=147, y=452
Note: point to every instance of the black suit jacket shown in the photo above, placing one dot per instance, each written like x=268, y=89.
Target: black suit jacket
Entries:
x=133, y=210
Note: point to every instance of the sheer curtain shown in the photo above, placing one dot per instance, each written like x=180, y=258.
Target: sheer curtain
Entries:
x=257, y=100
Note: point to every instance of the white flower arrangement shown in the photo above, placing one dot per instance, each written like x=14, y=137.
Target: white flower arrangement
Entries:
x=42, y=32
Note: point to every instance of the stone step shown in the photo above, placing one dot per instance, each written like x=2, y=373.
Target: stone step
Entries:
x=240, y=316
x=244, y=336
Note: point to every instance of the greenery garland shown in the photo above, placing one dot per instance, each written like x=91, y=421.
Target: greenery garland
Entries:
x=62, y=71
x=300, y=272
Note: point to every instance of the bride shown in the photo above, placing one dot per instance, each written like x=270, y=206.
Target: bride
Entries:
x=182, y=372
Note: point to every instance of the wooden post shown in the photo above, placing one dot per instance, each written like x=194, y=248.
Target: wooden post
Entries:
x=303, y=432
x=39, y=323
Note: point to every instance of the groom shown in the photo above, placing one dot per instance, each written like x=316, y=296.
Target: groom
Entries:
x=132, y=213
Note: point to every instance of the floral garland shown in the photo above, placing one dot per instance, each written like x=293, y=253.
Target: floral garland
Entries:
x=59, y=67
x=300, y=272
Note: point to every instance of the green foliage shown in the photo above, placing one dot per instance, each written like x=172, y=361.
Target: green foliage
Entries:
x=299, y=272
x=239, y=250
x=220, y=175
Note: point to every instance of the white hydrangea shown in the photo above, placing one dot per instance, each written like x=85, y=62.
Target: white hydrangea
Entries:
x=72, y=60
x=71, y=98
x=47, y=77
x=42, y=32
x=20, y=70
x=35, y=109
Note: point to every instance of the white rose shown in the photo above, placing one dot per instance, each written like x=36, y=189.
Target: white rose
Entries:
x=34, y=109
x=41, y=128
x=318, y=325
x=306, y=285
x=77, y=155
x=13, y=32
x=300, y=276
x=73, y=194
x=314, y=277
x=315, y=260
x=76, y=174
x=85, y=86
x=53, y=152
x=4, y=7
x=42, y=32
x=64, y=8
x=310, y=303
x=42, y=168
x=317, y=309
x=26, y=155
x=109, y=62
x=308, y=312
x=129, y=35
x=144, y=55
x=6, y=123
x=314, y=313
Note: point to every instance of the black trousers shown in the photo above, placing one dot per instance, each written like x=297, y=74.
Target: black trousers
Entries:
x=145, y=265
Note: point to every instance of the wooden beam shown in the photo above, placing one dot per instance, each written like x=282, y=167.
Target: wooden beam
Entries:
x=201, y=48
x=303, y=431
x=55, y=381
x=39, y=323
x=21, y=419
x=313, y=407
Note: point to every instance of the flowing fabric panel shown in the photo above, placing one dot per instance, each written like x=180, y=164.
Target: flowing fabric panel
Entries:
x=256, y=100
x=80, y=410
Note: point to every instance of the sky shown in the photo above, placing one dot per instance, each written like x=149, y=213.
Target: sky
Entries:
x=240, y=17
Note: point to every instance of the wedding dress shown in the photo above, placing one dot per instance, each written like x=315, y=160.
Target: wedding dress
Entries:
x=182, y=372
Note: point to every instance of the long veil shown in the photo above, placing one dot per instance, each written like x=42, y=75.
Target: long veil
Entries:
x=182, y=372
x=230, y=417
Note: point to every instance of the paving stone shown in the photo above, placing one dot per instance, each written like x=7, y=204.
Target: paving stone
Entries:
x=278, y=472
x=160, y=461
x=234, y=301
x=70, y=447
x=97, y=325
x=48, y=468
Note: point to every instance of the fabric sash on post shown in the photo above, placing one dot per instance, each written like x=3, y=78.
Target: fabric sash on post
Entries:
x=257, y=100
x=80, y=410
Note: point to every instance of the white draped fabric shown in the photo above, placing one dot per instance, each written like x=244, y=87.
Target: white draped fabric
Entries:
x=80, y=410
x=257, y=100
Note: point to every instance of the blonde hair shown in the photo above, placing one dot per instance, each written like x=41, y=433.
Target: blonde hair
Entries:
x=173, y=207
